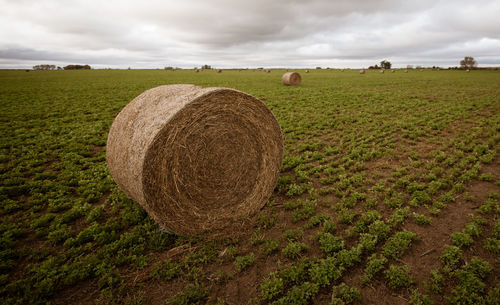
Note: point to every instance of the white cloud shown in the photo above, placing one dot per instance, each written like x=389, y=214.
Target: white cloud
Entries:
x=229, y=33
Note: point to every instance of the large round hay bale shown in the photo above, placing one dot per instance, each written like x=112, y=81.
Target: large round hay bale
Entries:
x=219, y=71
x=196, y=158
x=382, y=71
x=291, y=79
x=406, y=71
x=362, y=71
x=307, y=71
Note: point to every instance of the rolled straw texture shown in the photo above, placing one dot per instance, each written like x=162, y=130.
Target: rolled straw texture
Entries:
x=291, y=79
x=195, y=158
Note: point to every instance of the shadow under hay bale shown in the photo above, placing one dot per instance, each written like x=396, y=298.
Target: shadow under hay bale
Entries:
x=196, y=158
x=291, y=79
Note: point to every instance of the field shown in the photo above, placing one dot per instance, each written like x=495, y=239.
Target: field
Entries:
x=389, y=194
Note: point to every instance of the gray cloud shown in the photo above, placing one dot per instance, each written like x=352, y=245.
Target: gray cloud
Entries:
x=230, y=33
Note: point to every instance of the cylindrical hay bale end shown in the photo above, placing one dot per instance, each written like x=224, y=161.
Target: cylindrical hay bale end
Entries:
x=196, y=158
x=382, y=71
x=307, y=71
x=362, y=71
x=291, y=79
x=219, y=71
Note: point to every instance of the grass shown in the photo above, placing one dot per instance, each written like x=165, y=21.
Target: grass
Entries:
x=343, y=294
x=243, y=262
x=398, y=276
x=368, y=160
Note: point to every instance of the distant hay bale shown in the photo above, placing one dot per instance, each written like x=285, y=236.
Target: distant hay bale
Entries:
x=291, y=79
x=307, y=71
x=196, y=158
x=268, y=71
x=196, y=70
x=219, y=71
x=467, y=70
x=392, y=71
x=362, y=71
x=382, y=71
x=406, y=71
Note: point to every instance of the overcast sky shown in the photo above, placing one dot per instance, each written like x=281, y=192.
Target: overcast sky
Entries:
x=249, y=33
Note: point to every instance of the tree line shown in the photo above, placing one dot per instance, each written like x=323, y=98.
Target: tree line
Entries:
x=467, y=63
x=45, y=67
x=68, y=67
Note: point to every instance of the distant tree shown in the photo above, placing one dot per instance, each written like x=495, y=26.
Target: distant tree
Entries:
x=374, y=67
x=44, y=67
x=409, y=67
x=319, y=68
x=385, y=64
x=169, y=68
x=206, y=67
x=77, y=67
x=468, y=63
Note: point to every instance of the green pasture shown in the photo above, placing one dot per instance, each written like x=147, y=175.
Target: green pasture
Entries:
x=374, y=165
